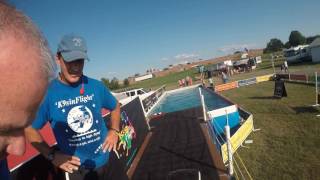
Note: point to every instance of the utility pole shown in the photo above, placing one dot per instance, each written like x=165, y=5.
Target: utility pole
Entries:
x=272, y=61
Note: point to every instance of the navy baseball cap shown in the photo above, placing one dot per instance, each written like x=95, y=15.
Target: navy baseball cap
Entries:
x=72, y=47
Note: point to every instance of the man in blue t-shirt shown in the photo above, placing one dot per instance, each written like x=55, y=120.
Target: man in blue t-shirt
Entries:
x=72, y=106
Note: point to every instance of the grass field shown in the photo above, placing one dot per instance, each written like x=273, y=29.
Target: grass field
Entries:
x=288, y=144
x=264, y=68
x=171, y=80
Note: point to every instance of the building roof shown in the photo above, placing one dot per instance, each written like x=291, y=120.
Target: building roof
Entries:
x=241, y=62
x=315, y=43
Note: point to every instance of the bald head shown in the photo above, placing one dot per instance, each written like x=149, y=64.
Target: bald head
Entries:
x=19, y=26
x=26, y=66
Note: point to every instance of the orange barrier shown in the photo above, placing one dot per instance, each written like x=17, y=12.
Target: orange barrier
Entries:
x=227, y=86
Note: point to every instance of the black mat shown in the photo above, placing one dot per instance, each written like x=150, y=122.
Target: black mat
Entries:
x=177, y=145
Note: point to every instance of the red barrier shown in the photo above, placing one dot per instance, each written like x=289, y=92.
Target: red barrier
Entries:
x=299, y=77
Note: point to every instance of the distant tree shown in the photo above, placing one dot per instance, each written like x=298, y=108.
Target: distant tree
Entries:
x=126, y=82
x=237, y=52
x=136, y=74
x=105, y=81
x=114, y=84
x=296, y=38
x=287, y=45
x=274, y=45
x=310, y=39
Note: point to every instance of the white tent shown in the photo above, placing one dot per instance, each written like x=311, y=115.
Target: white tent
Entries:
x=315, y=50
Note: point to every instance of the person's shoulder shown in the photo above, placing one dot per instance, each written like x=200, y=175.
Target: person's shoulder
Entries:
x=53, y=84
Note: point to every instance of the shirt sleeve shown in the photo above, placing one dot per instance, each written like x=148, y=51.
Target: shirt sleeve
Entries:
x=42, y=116
x=108, y=100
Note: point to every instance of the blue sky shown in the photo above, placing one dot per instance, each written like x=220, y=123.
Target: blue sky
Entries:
x=125, y=37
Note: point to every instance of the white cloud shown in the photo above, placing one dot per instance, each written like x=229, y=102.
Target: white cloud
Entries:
x=236, y=47
x=164, y=59
x=186, y=57
x=181, y=58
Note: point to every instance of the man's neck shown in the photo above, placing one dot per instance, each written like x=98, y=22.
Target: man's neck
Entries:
x=63, y=79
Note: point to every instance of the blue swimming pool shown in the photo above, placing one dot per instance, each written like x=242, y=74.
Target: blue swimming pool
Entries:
x=188, y=98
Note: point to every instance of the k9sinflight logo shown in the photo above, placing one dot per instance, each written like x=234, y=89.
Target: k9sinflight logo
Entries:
x=80, y=119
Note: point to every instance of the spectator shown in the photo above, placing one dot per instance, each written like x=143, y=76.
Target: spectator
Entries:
x=285, y=66
x=224, y=78
x=180, y=83
x=187, y=80
x=190, y=81
x=183, y=81
x=84, y=142
x=211, y=82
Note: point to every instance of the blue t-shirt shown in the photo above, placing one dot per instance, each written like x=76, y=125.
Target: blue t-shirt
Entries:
x=76, y=119
x=4, y=170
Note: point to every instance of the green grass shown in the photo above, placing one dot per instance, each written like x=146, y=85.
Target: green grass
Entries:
x=264, y=68
x=171, y=80
x=287, y=146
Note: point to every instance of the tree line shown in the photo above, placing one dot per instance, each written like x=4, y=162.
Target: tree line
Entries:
x=114, y=83
x=295, y=38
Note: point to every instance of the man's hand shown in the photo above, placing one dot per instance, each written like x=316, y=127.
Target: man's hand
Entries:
x=110, y=143
x=66, y=162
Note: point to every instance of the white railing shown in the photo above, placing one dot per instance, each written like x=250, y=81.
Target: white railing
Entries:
x=230, y=150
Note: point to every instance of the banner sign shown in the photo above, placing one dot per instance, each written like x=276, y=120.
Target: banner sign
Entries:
x=246, y=82
x=134, y=129
x=279, y=89
x=299, y=77
x=149, y=101
x=237, y=138
x=264, y=78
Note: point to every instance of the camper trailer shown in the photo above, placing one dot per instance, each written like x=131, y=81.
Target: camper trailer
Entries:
x=297, y=54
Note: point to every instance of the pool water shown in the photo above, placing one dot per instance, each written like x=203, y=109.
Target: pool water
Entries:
x=189, y=98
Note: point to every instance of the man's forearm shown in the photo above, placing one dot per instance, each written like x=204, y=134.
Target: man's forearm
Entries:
x=115, y=118
x=36, y=140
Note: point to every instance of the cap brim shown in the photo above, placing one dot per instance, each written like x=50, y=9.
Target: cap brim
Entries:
x=74, y=55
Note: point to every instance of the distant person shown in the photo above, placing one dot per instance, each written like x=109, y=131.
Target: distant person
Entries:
x=183, y=82
x=211, y=82
x=286, y=66
x=187, y=80
x=180, y=83
x=224, y=77
x=26, y=65
x=203, y=82
x=72, y=106
x=190, y=81
x=282, y=68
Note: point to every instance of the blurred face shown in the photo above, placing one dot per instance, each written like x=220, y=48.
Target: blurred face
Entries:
x=23, y=86
x=71, y=72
